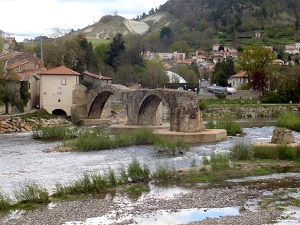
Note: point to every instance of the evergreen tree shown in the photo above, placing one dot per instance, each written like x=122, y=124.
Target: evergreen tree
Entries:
x=117, y=48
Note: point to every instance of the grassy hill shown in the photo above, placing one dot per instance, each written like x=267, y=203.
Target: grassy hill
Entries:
x=204, y=22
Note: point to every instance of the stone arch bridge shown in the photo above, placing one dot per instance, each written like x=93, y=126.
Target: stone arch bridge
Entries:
x=141, y=106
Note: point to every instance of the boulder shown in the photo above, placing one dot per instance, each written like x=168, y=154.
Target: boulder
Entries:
x=282, y=136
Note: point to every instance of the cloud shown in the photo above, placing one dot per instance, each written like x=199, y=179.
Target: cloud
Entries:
x=19, y=16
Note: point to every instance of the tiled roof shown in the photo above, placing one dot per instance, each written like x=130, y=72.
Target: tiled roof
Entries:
x=97, y=75
x=61, y=70
x=25, y=76
x=18, y=64
x=240, y=75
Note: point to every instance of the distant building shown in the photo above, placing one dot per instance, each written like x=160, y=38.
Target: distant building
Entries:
x=26, y=66
x=238, y=79
x=96, y=80
x=292, y=49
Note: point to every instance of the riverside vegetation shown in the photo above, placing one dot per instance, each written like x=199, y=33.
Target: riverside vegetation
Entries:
x=243, y=160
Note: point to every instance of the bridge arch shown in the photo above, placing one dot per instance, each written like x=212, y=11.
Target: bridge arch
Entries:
x=147, y=111
x=100, y=99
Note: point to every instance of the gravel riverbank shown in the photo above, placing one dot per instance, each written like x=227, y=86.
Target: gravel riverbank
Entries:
x=121, y=210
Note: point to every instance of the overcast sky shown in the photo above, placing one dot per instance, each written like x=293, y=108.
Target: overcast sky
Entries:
x=40, y=16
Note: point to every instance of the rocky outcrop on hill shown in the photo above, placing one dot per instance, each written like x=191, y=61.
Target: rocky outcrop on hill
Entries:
x=17, y=124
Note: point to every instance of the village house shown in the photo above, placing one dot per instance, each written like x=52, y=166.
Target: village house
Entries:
x=96, y=80
x=26, y=68
x=238, y=79
x=56, y=89
x=293, y=49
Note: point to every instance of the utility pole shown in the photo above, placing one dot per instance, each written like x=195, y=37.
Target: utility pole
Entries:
x=42, y=54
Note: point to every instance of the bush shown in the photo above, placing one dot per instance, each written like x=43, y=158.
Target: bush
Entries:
x=31, y=192
x=137, y=173
x=282, y=152
x=55, y=133
x=227, y=123
x=219, y=161
x=5, y=202
x=203, y=104
x=144, y=136
x=241, y=151
x=171, y=146
x=290, y=120
x=164, y=172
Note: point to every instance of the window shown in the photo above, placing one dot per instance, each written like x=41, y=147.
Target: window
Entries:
x=64, y=81
x=59, y=90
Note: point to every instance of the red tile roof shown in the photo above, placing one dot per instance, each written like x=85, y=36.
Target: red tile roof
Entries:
x=25, y=76
x=96, y=75
x=61, y=70
x=18, y=64
x=240, y=75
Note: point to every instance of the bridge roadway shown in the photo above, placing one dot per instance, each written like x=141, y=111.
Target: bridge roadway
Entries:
x=141, y=106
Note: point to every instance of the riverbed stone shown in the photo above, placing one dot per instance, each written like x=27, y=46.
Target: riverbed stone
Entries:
x=282, y=136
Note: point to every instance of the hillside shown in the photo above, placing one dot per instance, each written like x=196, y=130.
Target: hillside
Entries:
x=204, y=22
x=109, y=25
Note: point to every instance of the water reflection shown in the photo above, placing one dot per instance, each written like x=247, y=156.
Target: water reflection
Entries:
x=163, y=217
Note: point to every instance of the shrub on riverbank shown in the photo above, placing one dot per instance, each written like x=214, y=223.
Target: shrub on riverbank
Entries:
x=30, y=192
x=281, y=152
x=241, y=150
x=227, y=123
x=5, y=202
x=290, y=120
x=98, y=139
x=55, y=133
x=172, y=147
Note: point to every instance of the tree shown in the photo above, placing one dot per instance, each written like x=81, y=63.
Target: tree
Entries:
x=155, y=74
x=222, y=72
x=136, y=50
x=116, y=49
x=254, y=60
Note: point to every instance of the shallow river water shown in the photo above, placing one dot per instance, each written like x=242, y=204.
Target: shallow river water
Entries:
x=24, y=159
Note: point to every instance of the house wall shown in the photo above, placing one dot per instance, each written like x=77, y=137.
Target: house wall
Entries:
x=237, y=81
x=34, y=93
x=56, y=95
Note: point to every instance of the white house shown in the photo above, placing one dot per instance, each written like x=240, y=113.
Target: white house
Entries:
x=56, y=89
x=238, y=79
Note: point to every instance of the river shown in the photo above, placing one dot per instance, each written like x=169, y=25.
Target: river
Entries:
x=24, y=159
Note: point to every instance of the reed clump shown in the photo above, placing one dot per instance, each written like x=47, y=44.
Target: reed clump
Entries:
x=290, y=120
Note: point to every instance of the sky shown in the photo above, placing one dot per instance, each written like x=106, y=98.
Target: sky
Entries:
x=39, y=17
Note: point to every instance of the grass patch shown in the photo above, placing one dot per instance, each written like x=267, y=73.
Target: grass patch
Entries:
x=137, y=172
x=281, y=152
x=55, y=133
x=241, y=150
x=227, y=123
x=40, y=114
x=30, y=192
x=172, y=147
x=297, y=202
x=98, y=139
x=290, y=120
x=5, y=202
x=164, y=172
x=137, y=188
x=259, y=171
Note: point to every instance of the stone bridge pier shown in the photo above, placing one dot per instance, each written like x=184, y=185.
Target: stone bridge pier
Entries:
x=142, y=104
